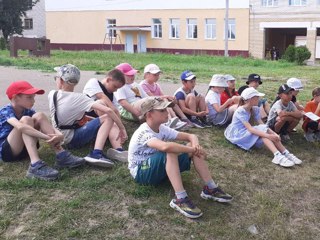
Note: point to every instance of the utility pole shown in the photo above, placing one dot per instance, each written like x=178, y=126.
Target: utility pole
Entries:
x=226, y=28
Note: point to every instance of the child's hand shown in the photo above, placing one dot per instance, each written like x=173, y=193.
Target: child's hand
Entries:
x=274, y=137
x=122, y=136
x=55, y=139
x=202, y=113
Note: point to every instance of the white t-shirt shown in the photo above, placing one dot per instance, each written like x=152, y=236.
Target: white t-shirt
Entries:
x=291, y=107
x=213, y=97
x=139, y=150
x=71, y=106
x=130, y=92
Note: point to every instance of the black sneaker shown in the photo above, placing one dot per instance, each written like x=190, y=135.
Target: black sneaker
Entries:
x=66, y=160
x=205, y=122
x=42, y=171
x=216, y=194
x=197, y=123
x=186, y=207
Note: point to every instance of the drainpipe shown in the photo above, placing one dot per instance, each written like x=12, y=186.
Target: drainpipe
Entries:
x=226, y=26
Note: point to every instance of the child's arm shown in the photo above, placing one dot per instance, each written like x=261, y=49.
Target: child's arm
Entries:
x=296, y=114
x=270, y=135
x=102, y=97
x=127, y=106
x=317, y=110
x=170, y=147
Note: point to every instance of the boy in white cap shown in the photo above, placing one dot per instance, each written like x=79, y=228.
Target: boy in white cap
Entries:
x=219, y=114
x=155, y=157
x=68, y=107
x=245, y=135
x=21, y=128
x=151, y=86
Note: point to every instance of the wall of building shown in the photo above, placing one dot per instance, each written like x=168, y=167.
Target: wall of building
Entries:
x=37, y=13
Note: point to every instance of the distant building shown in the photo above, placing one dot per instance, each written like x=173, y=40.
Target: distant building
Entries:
x=176, y=26
x=34, y=23
x=279, y=23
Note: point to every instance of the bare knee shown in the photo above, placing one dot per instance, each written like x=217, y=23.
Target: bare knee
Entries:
x=39, y=116
x=27, y=120
x=105, y=118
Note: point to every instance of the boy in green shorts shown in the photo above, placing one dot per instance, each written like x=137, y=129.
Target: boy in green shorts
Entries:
x=154, y=157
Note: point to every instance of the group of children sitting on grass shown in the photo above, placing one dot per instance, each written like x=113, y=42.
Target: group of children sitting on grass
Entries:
x=153, y=155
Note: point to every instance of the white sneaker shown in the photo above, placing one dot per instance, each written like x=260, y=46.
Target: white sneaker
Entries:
x=310, y=137
x=293, y=158
x=114, y=154
x=172, y=122
x=180, y=125
x=282, y=161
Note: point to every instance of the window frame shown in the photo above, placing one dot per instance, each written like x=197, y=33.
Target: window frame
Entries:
x=175, y=27
x=28, y=24
x=193, y=27
x=269, y=3
x=231, y=26
x=110, y=24
x=156, y=29
x=297, y=3
x=213, y=29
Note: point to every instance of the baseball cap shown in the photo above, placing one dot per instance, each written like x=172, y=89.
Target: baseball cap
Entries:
x=187, y=75
x=126, y=69
x=285, y=89
x=152, y=68
x=250, y=92
x=295, y=83
x=254, y=77
x=68, y=73
x=229, y=77
x=151, y=103
x=218, y=80
x=23, y=87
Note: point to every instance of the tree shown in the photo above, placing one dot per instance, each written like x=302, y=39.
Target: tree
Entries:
x=11, y=14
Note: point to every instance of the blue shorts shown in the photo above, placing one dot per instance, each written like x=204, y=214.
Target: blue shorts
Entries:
x=8, y=156
x=85, y=134
x=153, y=170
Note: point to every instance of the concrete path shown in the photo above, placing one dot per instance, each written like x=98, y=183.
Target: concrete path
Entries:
x=45, y=81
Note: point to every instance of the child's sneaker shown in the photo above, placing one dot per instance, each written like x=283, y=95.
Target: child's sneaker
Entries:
x=189, y=123
x=310, y=137
x=205, y=122
x=186, y=207
x=293, y=158
x=216, y=194
x=115, y=154
x=172, y=122
x=66, y=160
x=282, y=161
x=180, y=125
x=197, y=123
x=285, y=137
x=98, y=160
x=42, y=171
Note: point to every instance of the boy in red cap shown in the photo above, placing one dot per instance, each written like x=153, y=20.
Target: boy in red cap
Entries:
x=21, y=128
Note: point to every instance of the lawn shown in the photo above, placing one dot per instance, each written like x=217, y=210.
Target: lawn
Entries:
x=94, y=203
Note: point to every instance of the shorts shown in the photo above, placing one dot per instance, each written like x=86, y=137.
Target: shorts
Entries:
x=283, y=130
x=127, y=115
x=7, y=154
x=85, y=134
x=153, y=170
x=262, y=102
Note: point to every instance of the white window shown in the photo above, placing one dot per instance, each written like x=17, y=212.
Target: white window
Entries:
x=231, y=29
x=174, y=28
x=192, y=28
x=28, y=23
x=210, y=32
x=269, y=3
x=156, y=28
x=111, y=32
x=297, y=2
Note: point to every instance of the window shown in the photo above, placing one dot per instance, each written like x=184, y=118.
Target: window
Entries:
x=28, y=23
x=156, y=28
x=232, y=29
x=174, y=28
x=111, y=32
x=192, y=28
x=297, y=2
x=210, y=32
x=269, y=3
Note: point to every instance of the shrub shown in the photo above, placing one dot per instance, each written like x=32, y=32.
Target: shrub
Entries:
x=289, y=54
x=3, y=44
x=302, y=54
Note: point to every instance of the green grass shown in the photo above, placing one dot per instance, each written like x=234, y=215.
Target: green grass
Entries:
x=94, y=203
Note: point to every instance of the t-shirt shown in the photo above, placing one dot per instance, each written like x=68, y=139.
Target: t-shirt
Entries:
x=139, y=150
x=224, y=96
x=130, y=92
x=71, y=106
x=94, y=86
x=152, y=88
x=278, y=105
x=180, y=94
x=6, y=113
x=212, y=97
x=311, y=106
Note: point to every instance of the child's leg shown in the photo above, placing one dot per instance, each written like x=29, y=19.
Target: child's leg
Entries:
x=179, y=112
x=18, y=140
x=293, y=122
x=114, y=132
x=171, y=113
x=103, y=132
x=273, y=146
x=201, y=103
x=173, y=172
x=191, y=102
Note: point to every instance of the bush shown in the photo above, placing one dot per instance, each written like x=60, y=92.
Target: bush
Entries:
x=302, y=54
x=3, y=44
x=290, y=54
x=296, y=54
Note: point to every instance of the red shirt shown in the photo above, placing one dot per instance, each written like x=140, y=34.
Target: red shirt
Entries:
x=311, y=106
x=224, y=96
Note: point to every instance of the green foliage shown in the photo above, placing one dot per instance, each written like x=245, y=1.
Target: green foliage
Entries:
x=290, y=53
x=11, y=14
x=302, y=54
x=3, y=44
x=297, y=54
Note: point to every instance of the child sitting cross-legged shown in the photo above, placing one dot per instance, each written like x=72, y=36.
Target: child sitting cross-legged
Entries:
x=242, y=133
x=154, y=156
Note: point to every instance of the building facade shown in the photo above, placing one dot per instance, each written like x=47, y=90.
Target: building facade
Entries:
x=34, y=23
x=177, y=26
x=279, y=23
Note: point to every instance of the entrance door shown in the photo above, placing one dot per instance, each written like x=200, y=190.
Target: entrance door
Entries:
x=129, y=43
x=142, y=42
